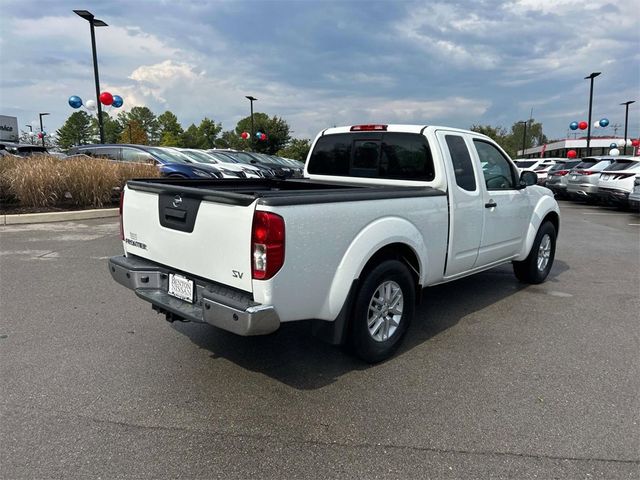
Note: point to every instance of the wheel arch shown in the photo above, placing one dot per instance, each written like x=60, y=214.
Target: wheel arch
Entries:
x=546, y=210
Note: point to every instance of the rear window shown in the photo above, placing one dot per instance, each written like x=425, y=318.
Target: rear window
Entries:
x=564, y=165
x=584, y=164
x=392, y=155
x=523, y=164
x=621, y=165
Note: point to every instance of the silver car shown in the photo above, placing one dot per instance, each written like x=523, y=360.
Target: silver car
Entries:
x=634, y=196
x=558, y=177
x=582, y=181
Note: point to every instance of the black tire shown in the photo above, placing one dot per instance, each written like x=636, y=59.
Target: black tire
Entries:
x=390, y=276
x=530, y=269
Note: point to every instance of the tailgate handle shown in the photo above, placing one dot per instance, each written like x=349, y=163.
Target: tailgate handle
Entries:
x=175, y=214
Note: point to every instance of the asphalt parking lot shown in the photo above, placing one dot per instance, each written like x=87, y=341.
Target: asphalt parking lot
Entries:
x=496, y=379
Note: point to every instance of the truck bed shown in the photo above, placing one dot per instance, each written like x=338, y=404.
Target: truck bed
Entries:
x=276, y=192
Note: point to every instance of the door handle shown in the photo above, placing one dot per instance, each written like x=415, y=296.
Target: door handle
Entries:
x=490, y=204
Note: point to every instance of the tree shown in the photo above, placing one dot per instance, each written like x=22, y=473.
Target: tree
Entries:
x=191, y=137
x=146, y=119
x=169, y=128
x=77, y=130
x=276, y=129
x=230, y=139
x=112, y=128
x=134, y=133
x=496, y=133
x=512, y=140
x=298, y=149
x=208, y=131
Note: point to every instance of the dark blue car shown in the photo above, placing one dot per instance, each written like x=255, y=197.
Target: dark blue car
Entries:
x=170, y=164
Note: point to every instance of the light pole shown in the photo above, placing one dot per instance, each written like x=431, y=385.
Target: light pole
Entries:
x=591, y=77
x=41, y=128
x=524, y=135
x=626, y=120
x=94, y=22
x=251, y=99
x=30, y=132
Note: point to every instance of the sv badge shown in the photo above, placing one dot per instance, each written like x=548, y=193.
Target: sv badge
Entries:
x=237, y=274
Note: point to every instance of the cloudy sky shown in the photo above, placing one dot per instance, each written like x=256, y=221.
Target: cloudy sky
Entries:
x=323, y=63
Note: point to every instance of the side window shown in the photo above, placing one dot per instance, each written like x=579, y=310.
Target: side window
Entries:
x=135, y=155
x=497, y=171
x=110, y=153
x=462, y=166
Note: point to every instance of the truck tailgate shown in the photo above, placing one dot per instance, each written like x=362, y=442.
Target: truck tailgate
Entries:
x=171, y=228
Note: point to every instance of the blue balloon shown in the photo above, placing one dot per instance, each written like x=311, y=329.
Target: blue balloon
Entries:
x=117, y=101
x=604, y=122
x=613, y=145
x=75, y=101
x=258, y=134
x=573, y=125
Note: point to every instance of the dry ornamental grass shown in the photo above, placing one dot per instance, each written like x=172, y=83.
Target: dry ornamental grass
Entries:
x=44, y=181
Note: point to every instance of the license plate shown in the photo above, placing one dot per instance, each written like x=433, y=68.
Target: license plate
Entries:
x=605, y=177
x=574, y=177
x=180, y=287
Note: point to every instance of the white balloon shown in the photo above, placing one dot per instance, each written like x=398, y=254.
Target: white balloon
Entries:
x=620, y=142
x=614, y=152
x=596, y=124
x=628, y=142
x=91, y=105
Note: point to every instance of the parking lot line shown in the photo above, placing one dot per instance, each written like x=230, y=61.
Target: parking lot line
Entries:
x=604, y=213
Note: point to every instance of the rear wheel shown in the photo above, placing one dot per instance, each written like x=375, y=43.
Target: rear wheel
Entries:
x=383, y=309
x=535, y=268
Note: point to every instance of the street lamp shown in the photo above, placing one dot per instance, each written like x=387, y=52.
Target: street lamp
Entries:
x=41, y=128
x=251, y=99
x=94, y=22
x=524, y=135
x=591, y=77
x=626, y=120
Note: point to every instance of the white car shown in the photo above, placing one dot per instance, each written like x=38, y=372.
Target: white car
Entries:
x=617, y=181
x=535, y=163
x=634, y=196
x=582, y=181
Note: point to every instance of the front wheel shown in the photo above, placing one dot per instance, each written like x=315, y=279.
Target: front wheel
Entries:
x=383, y=309
x=535, y=268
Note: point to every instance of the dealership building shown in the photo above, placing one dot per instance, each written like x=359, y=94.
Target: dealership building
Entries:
x=9, y=129
x=559, y=149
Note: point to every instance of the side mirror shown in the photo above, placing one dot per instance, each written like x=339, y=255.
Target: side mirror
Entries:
x=528, y=178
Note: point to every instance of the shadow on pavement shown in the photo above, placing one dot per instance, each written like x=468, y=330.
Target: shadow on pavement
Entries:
x=294, y=357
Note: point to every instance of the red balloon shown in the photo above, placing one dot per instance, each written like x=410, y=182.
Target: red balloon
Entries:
x=572, y=153
x=40, y=135
x=635, y=143
x=244, y=135
x=583, y=125
x=106, y=98
x=263, y=136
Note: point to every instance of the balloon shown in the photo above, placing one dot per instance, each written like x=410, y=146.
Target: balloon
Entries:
x=258, y=135
x=573, y=125
x=628, y=144
x=604, y=122
x=635, y=143
x=614, y=152
x=596, y=125
x=91, y=105
x=106, y=98
x=40, y=135
x=75, y=101
x=263, y=136
x=572, y=154
x=613, y=145
x=583, y=125
x=620, y=142
x=117, y=101
x=244, y=135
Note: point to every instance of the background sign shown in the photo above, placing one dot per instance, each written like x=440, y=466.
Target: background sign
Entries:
x=9, y=129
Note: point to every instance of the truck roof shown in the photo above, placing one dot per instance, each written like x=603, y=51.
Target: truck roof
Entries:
x=406, y=128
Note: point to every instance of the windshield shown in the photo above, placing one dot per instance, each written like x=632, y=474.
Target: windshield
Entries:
x=222, y=157
x=169, y=157
x=200, y=156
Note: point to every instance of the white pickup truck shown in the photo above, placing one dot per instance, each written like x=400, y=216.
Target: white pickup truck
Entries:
x=383, y=211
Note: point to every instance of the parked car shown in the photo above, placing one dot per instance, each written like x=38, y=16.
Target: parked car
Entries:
x=536, y=163
x=200, y=156
x=22, y=149
x=582, y=182
x=251, y=171
x=617, y=181
x=543, y=168
x=170, y=165
x=279, y=169
x=244, y=158
x=634, y=196
x=558, y=179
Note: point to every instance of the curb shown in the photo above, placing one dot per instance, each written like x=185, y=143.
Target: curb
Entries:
x=25, y=218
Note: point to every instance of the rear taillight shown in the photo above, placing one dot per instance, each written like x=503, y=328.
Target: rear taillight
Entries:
x=267, y=245
x=560, y=173
x=586, y=172
x=369, y=128
x=120, y=209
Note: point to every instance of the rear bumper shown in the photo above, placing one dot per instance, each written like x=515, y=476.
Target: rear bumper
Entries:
x=613, y=195
x=582, y=189
x=214, y=304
